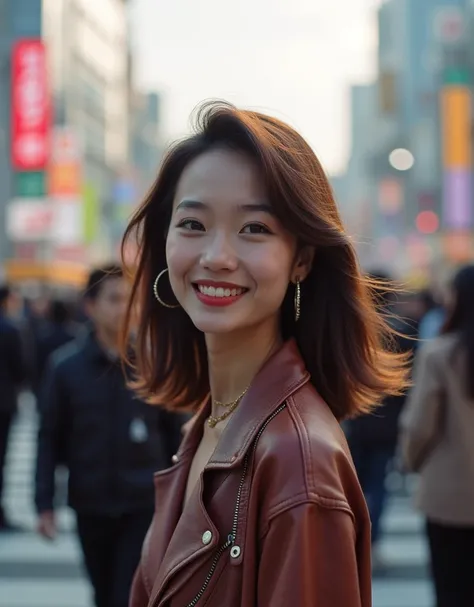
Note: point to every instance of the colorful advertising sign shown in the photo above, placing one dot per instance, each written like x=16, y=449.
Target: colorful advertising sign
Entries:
x=456, y=120
x=31, y=106
x=65, y=190
x=457, y=193
x=29, y=219
x=390, y=196
x=449, y=24
x=30, y=184
x=458, y=246
x=64, y=173
x=91, y=213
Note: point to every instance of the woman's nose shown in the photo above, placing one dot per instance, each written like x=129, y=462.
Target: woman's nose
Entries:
x=219, y=255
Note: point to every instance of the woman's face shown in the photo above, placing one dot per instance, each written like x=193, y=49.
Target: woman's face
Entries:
x=229, y=258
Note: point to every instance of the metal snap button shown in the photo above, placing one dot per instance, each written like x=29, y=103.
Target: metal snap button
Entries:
x=235, y=552
x=175, y=459
x=206, y=537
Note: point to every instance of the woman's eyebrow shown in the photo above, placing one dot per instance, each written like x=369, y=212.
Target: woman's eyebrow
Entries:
x=255, y=207
x=258, y=207
x=191, y=204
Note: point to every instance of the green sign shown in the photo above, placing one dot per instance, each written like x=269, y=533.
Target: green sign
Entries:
x=91, y=213
x=30, y=184
x=456, y=75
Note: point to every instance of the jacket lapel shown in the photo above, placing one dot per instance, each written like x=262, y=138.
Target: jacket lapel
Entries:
x=277, y=380
x=195, y=536
x=282, y=374
x=183, y=540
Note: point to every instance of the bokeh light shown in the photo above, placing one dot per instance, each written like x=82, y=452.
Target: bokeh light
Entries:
x=401, y=159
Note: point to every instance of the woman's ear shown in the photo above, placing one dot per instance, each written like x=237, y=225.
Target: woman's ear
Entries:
x=303, y=263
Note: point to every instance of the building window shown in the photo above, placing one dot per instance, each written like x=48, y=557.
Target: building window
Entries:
x=94, y=138
x=89, y=89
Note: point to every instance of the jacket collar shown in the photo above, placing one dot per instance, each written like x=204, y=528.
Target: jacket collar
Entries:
x=92, y=348
x=280, y=376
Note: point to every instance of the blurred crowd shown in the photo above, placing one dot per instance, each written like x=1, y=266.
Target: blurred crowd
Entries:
x=427, y=434
x=67, y=354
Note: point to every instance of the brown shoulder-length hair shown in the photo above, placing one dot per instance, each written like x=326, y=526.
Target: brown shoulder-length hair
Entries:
x=340, y=333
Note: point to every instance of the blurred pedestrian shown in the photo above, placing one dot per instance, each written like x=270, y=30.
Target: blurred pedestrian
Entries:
x=252, y=313
x=111, y=442
x=373, y=437
x=37, y=311
x=14, y=306
x=437, y=430
x=432, y=318
x=57, y=330
x=12, y=374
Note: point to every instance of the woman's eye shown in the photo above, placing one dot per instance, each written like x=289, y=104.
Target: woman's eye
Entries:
x=191, y=225
x=255, y=228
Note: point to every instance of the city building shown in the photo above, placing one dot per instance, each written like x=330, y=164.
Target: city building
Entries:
x=146, y=138
x=359, y=213
x=88, y=50
x=421, y=197
x=65, y=79
x=146, y=150
x=19, y=19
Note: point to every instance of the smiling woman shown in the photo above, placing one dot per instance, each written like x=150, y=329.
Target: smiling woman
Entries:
x=222, y=237
x=253, y=313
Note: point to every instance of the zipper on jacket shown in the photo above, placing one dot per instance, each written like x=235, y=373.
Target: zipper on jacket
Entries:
x=230, y=543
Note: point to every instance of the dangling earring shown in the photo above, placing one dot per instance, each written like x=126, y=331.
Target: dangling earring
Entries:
x=297, y=299
x=155, y=291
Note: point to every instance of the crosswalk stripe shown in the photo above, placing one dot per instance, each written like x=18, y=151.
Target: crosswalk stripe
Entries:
x=36, y=573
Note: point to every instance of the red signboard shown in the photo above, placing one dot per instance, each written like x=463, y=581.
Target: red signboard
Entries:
x=31, y=109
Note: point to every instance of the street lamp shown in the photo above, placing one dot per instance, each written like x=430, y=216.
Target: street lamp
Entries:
x=401, y=159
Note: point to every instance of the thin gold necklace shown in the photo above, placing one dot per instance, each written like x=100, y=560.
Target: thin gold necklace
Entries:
x=231, y=407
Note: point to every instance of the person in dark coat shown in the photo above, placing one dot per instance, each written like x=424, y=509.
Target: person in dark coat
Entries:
x=111, y=442
x=12, y=374
x=373, y=437
x=56, y=332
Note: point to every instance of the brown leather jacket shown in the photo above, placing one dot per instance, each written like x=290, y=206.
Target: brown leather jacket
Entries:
x=280, y=518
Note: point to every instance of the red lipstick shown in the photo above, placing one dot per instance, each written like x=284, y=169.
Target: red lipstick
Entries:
x=218, y=293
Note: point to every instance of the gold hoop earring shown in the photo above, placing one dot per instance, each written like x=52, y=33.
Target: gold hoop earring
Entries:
x=297, y=300
x=155, y=291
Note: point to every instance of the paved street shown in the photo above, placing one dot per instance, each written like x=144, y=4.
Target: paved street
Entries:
x=405, y=579
x=34, y=573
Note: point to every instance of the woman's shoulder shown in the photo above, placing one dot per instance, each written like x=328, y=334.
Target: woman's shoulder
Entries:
x=438, y=348
x=303, y=456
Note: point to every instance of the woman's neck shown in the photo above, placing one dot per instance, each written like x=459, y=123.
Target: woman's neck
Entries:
x=234, y=360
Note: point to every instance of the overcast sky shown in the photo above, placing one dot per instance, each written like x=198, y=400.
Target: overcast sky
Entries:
x=292, y=58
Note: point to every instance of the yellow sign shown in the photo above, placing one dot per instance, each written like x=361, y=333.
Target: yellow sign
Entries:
x=456, y=127
x=458, y=246
x=65, y=167
x=67, y=274
x=64, y=180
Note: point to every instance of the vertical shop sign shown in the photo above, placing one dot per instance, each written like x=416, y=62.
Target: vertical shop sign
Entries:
x=31, y=106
